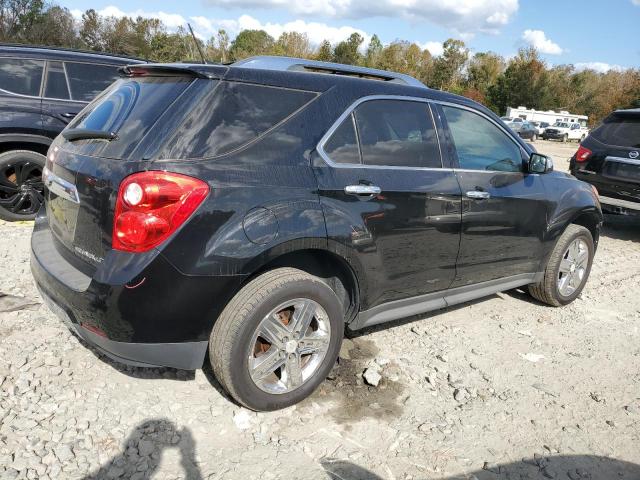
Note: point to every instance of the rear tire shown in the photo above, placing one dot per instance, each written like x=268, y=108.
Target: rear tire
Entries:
x=534, y=137
x=567, y=269
x=21, y=187
x=258, y=352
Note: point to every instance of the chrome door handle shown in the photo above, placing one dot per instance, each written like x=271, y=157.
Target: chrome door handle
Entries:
x=362, y=190
x=478, y=195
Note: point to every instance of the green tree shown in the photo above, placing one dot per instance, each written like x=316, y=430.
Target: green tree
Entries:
x=251, y=42
x=293, y=44
x=374, y=52
x=448, y=67
x=325, y=52
x=347, y=51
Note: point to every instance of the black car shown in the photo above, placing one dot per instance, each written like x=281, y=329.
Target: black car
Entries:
x=609, y=159
x=525, y=130
x=41, y=90
x=254, y=211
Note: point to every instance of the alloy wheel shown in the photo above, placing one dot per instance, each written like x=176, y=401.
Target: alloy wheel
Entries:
x=21, y=187
x=289, y=346
x=573, y=267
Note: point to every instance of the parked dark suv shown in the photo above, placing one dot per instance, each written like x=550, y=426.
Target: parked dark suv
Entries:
x=255, y=210
x=609, y=158
x=41, y=89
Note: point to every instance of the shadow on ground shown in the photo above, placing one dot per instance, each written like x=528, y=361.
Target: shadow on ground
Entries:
x=575, y=467
x=143, y=450
x=621, y=227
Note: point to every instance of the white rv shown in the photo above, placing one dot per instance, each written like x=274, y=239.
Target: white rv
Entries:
x=551, y=117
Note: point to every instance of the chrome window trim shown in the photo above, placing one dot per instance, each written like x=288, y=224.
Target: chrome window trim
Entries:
x=350, y=109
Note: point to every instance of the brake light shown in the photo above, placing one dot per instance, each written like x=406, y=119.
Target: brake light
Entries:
x=151, y=206
x=583, y=154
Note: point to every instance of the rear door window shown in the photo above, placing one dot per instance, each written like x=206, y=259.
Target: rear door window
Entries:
x=230, y=116
x=619, y=131
x=21, y=76
x=55, y=85
x=129, y=108
x=397, y=133
x=87, y=80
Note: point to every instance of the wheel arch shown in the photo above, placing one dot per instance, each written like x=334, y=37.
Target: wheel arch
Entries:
x=18, y=141
x=329, y=266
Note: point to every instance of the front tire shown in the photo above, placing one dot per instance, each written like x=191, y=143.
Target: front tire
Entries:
x=277, y=339
x=567, y=269
x=565, y=138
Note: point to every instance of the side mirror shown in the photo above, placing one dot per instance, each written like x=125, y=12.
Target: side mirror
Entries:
x=539, y=163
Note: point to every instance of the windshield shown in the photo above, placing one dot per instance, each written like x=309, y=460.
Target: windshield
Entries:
x=561, y=125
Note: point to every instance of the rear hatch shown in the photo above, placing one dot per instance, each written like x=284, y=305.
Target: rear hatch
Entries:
x=615, y=156
x=85, y=169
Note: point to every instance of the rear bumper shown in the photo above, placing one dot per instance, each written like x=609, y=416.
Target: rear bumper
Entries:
x=157, y=317
x=616, y=205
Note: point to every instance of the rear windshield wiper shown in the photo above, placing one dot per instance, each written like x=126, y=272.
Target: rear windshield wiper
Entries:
x=86, y=134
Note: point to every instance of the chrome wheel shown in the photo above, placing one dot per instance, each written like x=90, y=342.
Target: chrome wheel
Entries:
x=573, y=267
x=289, y=345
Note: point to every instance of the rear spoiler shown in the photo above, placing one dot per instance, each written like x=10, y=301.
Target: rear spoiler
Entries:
x=172, y=69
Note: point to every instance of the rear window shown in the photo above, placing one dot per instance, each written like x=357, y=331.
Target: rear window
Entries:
x=619, y=131
x=231, y=115
x=129, y=108
x=21, y=76
x=87, y=80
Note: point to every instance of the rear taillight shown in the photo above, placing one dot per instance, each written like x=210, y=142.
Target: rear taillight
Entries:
x=151, y=206
x=583, y=154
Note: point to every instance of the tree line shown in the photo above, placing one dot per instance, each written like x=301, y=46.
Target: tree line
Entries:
x=525, y=79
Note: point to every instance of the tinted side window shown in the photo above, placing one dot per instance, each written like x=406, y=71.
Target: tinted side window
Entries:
x=21, y=76
x=230, y=116
x=342, y=146
x=621, y=132
x=87, y=80
x=480, y=144
x=55, y=85
x=397, y=133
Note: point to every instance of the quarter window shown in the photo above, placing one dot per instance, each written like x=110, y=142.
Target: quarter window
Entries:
x=397, y=133
x=56, y=83
x=480, y=144
x=342, y=147
x=88, y=80
x=21, y=76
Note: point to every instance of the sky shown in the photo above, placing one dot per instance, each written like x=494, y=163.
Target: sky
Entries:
x=599, y=34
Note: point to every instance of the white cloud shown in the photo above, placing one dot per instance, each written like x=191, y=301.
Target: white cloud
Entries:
x=600, y=67
x=538, y=39
x=435, y=48
x=464, y=17
x=636, y=2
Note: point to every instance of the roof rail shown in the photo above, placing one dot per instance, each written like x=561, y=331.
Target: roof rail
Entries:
x=71, y=50
x=267, y=62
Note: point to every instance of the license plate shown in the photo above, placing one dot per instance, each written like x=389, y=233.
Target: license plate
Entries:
x=622, y=171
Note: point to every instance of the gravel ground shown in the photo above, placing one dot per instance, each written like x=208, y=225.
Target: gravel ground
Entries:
x=500, y=388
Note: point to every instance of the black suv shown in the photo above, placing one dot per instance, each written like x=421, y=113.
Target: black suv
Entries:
x=255, y=210
x=41, y=89
x=609, y=159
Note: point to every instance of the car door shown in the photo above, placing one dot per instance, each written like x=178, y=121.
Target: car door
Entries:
x=57, y=107
x=388, y=203
x=69, y=86
x=504, y=208
x=20, y=103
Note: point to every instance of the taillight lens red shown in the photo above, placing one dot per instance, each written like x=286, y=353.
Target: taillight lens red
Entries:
x=151, y=206
x=583, y=154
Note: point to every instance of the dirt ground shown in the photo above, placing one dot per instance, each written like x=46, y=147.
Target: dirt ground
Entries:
x=502, y=388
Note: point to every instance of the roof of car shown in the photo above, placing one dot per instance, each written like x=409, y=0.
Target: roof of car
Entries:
x=59, y=53
x=632, y=112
